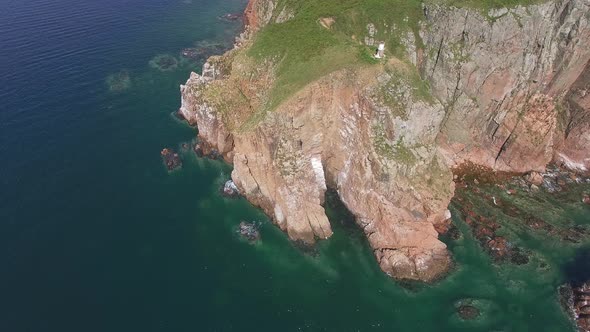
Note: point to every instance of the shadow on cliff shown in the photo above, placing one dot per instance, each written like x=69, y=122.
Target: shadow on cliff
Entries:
x=341, y=219
x=346, y=230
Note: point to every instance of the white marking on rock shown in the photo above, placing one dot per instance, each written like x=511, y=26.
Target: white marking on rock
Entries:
x=318, y=169
x=572, y=164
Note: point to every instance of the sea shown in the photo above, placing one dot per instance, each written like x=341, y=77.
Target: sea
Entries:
x=97, y=235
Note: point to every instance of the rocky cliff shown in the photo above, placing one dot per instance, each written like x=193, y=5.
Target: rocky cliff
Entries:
x=504, y=88
x=502, y=78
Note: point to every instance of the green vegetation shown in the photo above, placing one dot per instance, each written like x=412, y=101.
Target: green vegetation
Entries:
x=164, y=62
x=398, y=152
x=486, y=5
x=304, y=50
x=403, y=84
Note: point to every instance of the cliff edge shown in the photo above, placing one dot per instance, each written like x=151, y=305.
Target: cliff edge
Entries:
x=299, y=106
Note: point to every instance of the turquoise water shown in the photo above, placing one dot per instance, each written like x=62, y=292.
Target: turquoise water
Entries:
x=96, y=235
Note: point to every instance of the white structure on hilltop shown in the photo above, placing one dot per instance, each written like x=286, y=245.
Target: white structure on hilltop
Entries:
x=380, y=54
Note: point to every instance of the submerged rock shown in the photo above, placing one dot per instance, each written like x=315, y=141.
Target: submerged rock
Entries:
x=249, y=231
x=119, y=82
x=171, y=159
x=179, y=116
x=164, y=62
x=468, y=312
x=213, y=154
x=469, y=309
x=204, y=150
x=202, y=51
x=519, y=257
x=231, y=17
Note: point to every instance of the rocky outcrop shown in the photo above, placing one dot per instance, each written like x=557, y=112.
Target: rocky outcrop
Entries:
x=383, y=138
x=500, y=78
x=259, y=13
x=339, y=132
x=196, y=110
x=314, y=141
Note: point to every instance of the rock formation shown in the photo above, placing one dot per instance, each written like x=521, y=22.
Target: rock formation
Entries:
x=576, y=301
x=486, y=89
x=501, y=82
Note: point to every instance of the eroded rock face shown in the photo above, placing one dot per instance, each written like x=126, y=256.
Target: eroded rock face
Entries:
x=500, y=79
x=383, y=145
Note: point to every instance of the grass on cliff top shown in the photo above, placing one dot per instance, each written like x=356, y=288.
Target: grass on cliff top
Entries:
x=304, y=51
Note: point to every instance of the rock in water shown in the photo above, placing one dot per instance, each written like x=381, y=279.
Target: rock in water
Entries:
x=202, y=51
x=230, y=189
x=164, y=62
x=249, y=231
x=468, y=312
x=171, y=159
x=576, y=300
x=119, y=82
x=198, y=149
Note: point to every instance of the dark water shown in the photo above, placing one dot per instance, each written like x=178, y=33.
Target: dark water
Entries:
x=95, y=235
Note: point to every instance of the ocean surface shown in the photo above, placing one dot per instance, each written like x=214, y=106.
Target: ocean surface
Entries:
x=96, y=234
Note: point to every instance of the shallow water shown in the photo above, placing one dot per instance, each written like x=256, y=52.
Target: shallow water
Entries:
x=96, y=235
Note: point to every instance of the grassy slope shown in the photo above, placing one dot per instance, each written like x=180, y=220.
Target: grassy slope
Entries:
x=305, y=51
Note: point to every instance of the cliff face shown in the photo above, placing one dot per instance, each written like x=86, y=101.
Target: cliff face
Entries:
x=333, y=134
x=384, y=139
x=501, y=79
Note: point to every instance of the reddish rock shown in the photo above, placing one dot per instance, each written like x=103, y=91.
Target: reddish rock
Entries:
x=535, y=178
x=443, y=226
x=171, y=159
